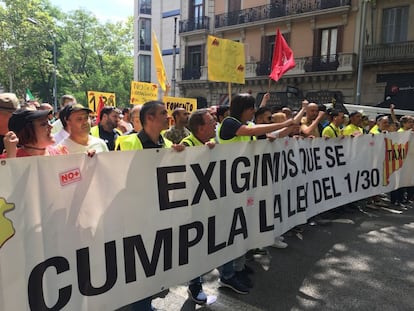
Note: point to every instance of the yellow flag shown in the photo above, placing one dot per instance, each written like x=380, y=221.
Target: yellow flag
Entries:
x=159, y=64
x=226, y=62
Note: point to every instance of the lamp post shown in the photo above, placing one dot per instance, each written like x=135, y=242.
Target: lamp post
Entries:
x=361, y=52
x=35, y=22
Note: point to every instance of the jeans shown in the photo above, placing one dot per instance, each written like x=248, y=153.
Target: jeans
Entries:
x=141, y=305
x=227, y=270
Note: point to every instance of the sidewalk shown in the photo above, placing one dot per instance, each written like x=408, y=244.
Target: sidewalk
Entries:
x=358, y=259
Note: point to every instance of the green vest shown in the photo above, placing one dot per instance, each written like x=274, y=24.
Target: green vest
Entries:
x=95, y=131
x=235, y=138
x=132, y=142
x=191, y=140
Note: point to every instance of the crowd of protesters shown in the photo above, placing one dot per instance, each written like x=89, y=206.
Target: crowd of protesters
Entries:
x=32, y=129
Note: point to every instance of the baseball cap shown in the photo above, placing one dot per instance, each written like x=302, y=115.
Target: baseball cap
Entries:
x=9, y=102
x=21, y=117
x=69, y=109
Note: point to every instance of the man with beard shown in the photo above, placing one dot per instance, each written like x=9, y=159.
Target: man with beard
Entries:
x=107, y=127
x=179, y=130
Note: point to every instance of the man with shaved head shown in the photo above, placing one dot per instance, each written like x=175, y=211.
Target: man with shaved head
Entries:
x=309, y=123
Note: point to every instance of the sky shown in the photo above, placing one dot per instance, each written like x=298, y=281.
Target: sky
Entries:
x=104, y=10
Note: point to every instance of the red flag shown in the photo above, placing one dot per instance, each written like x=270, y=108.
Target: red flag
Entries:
x=283, y=59
x=98, y=111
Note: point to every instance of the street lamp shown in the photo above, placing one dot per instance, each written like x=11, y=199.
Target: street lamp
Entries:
x=35, y=22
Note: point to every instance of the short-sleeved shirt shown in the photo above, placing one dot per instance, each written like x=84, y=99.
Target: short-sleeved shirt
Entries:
x=229, y=128
x=176, y=135
x=331, y=131
x=94, y=143
x=108, y=137
x=351, y=129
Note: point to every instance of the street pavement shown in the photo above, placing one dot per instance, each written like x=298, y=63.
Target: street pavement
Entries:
x=355, y=259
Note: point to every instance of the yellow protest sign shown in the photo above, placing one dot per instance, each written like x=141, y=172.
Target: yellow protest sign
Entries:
x=109, y=99
x=142, y=92
x=226, y=62
x=189, y=104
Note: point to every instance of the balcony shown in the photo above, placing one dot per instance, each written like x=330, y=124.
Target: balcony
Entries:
x=198, y=23
x=190, y=73
x=275, y=10
x=389, y=53
x=342, y=62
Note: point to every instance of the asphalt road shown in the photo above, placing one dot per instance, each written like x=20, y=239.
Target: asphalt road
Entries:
x=360, y=259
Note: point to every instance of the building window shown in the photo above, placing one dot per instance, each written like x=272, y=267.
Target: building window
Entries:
x=234, y=5
x=268, y=46
x=197, y=9
x=194, y=61
x=144, y=68
x=144, y=7
x=327, y=45
x=395, y=24
x=144, y=34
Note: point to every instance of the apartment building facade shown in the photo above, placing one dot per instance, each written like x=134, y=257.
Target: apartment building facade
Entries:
x=388, y=70
x=326, y=36
x=162, y=17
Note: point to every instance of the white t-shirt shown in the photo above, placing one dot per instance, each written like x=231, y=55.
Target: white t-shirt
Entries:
x=94, y=143
x=60, y=136
x=57, y=126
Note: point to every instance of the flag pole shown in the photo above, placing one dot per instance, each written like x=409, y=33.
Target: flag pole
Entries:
x=229, y=90
x=268, y=87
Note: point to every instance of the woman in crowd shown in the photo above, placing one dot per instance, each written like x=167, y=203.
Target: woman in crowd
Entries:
x=30, y=135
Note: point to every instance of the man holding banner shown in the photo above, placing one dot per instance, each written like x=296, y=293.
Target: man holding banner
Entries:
x=203, y=129
x=154, y=118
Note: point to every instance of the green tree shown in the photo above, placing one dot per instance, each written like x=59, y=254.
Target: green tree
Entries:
x=96, y=57
x=90, y=56
x=24, y=49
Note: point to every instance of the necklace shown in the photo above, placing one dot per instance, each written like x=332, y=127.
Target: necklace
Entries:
x=34, y=148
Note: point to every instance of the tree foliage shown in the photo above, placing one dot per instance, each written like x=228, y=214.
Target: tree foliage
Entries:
x=91, y=56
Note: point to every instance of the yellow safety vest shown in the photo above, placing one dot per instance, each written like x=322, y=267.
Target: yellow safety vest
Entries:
x=235, y=138
x=191, y=140
x=95, y=131
x=132, y=142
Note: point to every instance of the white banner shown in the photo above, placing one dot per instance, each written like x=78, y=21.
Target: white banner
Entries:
x=98, y=233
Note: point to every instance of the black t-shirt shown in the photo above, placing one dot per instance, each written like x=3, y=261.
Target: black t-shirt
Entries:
x=147, y=143
x=229, y=127
x=108, y=137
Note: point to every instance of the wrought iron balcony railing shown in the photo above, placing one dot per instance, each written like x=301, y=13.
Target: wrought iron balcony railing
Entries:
x=190, y=73
x=274, y=10
x=335, y=62
x=341, y=62
x=393, y=52
x=198, y=23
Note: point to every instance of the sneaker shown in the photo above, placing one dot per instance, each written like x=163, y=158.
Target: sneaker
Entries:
x=197, y=294
x=248, y=270
x=244, y=278
x=258, y=251
x=279, y=244
x=234, y=284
